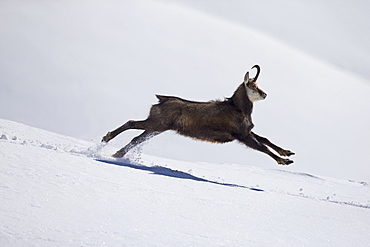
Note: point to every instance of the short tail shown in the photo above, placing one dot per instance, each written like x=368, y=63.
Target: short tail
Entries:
x=163, y=98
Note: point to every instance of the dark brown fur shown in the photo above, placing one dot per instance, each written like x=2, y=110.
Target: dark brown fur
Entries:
x=215, y=121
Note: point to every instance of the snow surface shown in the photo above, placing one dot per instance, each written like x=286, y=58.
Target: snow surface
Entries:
x=336, y=32
x=83, y=68
x=61, y=191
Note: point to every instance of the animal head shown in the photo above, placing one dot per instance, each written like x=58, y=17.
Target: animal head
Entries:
x=254, y=93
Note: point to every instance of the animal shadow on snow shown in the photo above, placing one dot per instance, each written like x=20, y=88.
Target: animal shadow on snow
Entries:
x=164, y=171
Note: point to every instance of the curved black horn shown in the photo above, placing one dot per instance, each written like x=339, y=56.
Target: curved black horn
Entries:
x=258, y=72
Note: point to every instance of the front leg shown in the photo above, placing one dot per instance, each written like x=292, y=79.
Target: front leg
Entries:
x=278, y=149
x=252, y=142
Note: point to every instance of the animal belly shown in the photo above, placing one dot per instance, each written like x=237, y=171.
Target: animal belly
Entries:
x=205, y=127
x=210, y=136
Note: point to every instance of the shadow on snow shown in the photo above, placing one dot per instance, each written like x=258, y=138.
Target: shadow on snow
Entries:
x=164, y=171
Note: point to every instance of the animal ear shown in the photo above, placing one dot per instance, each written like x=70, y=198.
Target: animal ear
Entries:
x=246, y=77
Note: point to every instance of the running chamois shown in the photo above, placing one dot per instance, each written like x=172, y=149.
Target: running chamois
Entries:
x=214, y=121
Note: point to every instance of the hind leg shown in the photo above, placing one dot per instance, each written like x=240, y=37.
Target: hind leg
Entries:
x=146, y=135
x=129, y=125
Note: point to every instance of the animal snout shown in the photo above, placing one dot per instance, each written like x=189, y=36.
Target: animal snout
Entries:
x=264, y=95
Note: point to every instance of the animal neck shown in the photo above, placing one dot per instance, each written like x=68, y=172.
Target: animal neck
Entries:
x=241, y=101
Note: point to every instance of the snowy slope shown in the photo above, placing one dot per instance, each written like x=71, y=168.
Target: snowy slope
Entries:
x=55, y=192
x=334, y=32
x=83, y=69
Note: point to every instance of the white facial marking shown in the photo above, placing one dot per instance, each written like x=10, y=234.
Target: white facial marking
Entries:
x=253, y=95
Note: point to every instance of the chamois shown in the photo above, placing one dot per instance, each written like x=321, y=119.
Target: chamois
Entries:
x=214, y=121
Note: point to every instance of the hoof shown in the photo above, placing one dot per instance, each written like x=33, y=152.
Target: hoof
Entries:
x=288, y=162
x=285, y=162
x=286, y=153
x=107, y=137
x=118, y=155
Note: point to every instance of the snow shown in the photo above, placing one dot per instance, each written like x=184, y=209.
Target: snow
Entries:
x=61, y=191
x=336, y=33
x=84, y=69
x=81, y=69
